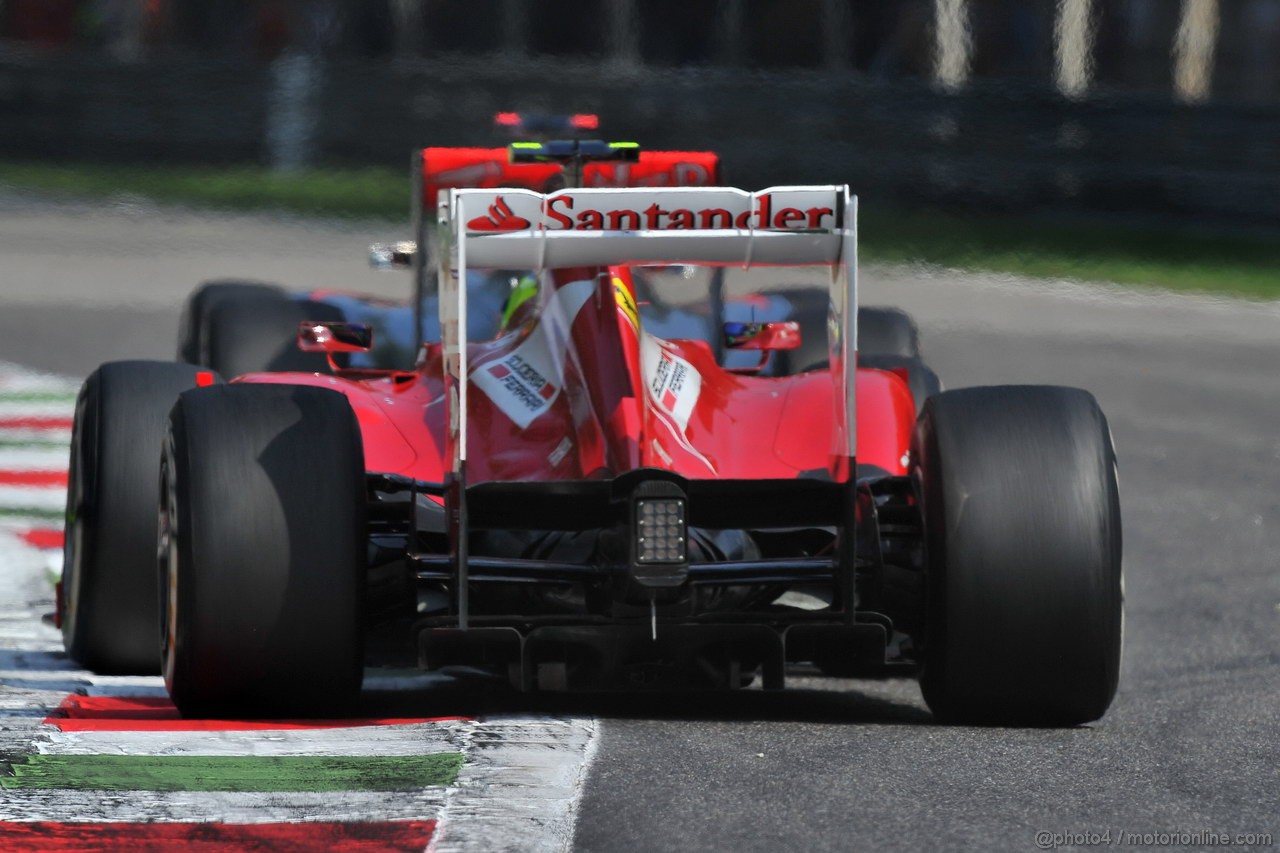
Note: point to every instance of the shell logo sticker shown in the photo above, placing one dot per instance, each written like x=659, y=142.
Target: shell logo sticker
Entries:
x=626, y=302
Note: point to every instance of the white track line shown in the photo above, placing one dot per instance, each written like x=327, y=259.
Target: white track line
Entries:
x=417, y=739
x=33, y=459
x=41, y=498
x=16, y=379
x=36, y=408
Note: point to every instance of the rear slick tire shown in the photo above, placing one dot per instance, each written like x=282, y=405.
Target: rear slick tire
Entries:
x=111, y=614
x=887, y=331
x=193, y=327
x=888, y=334
x=1024, y=609
x=808, y=306
x=262, y=552
x=921, y=379
x=260, y=333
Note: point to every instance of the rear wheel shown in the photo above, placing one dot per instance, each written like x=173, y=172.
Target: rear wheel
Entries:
x=887, y=331
x=111, y=619
x=261, y=333
x=262, y=552
x=888, y=339
x=1024, y=593
x=921, y=379
x=808, y=306
x=193, y=327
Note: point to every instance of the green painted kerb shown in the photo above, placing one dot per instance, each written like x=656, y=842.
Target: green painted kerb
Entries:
x=36, y=395
x=39, y=512
x=305, y=773
x=33, y=444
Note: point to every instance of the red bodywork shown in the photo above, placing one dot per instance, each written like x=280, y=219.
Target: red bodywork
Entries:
x=611, y=409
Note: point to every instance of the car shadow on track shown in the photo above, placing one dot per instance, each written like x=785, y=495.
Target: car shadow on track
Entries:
x=813, y=700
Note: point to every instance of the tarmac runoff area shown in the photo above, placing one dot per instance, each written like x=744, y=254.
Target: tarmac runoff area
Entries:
x=1191, y=386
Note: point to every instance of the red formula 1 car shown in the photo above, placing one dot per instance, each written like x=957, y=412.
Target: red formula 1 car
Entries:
x=577, y=504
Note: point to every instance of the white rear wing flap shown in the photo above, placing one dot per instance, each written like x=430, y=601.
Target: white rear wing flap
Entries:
x=512, y=228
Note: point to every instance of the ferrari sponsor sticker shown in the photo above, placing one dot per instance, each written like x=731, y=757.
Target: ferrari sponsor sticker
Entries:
x=626, y=302
x=673, y=383
x=525, y=382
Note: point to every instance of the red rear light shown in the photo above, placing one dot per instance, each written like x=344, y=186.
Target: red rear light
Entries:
x=585, y=121
x=507, y=119
x=204, y=378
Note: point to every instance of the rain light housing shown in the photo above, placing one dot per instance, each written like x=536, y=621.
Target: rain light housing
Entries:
x=661, y=532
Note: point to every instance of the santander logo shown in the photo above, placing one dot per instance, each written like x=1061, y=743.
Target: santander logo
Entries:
x=499, y=218
x=656, y=218
x=564, y=212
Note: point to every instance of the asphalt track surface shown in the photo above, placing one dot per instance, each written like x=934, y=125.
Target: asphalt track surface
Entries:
x=1192, y=389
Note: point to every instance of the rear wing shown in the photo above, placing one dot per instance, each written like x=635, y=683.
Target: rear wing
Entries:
x=718, y=226
x=512, y=228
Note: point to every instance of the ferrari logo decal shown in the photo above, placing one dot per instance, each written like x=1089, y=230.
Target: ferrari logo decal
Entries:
x=626, y=302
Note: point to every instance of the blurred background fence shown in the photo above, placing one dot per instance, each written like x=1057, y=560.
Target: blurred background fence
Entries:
x=1156, y=107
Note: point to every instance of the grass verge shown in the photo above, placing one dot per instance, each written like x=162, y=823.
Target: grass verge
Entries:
x=366, y=192
x=1177, y=257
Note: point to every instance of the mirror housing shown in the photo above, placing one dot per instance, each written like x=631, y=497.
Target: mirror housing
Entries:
x=762, y=336
x=393, y=256
x=333, y=337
